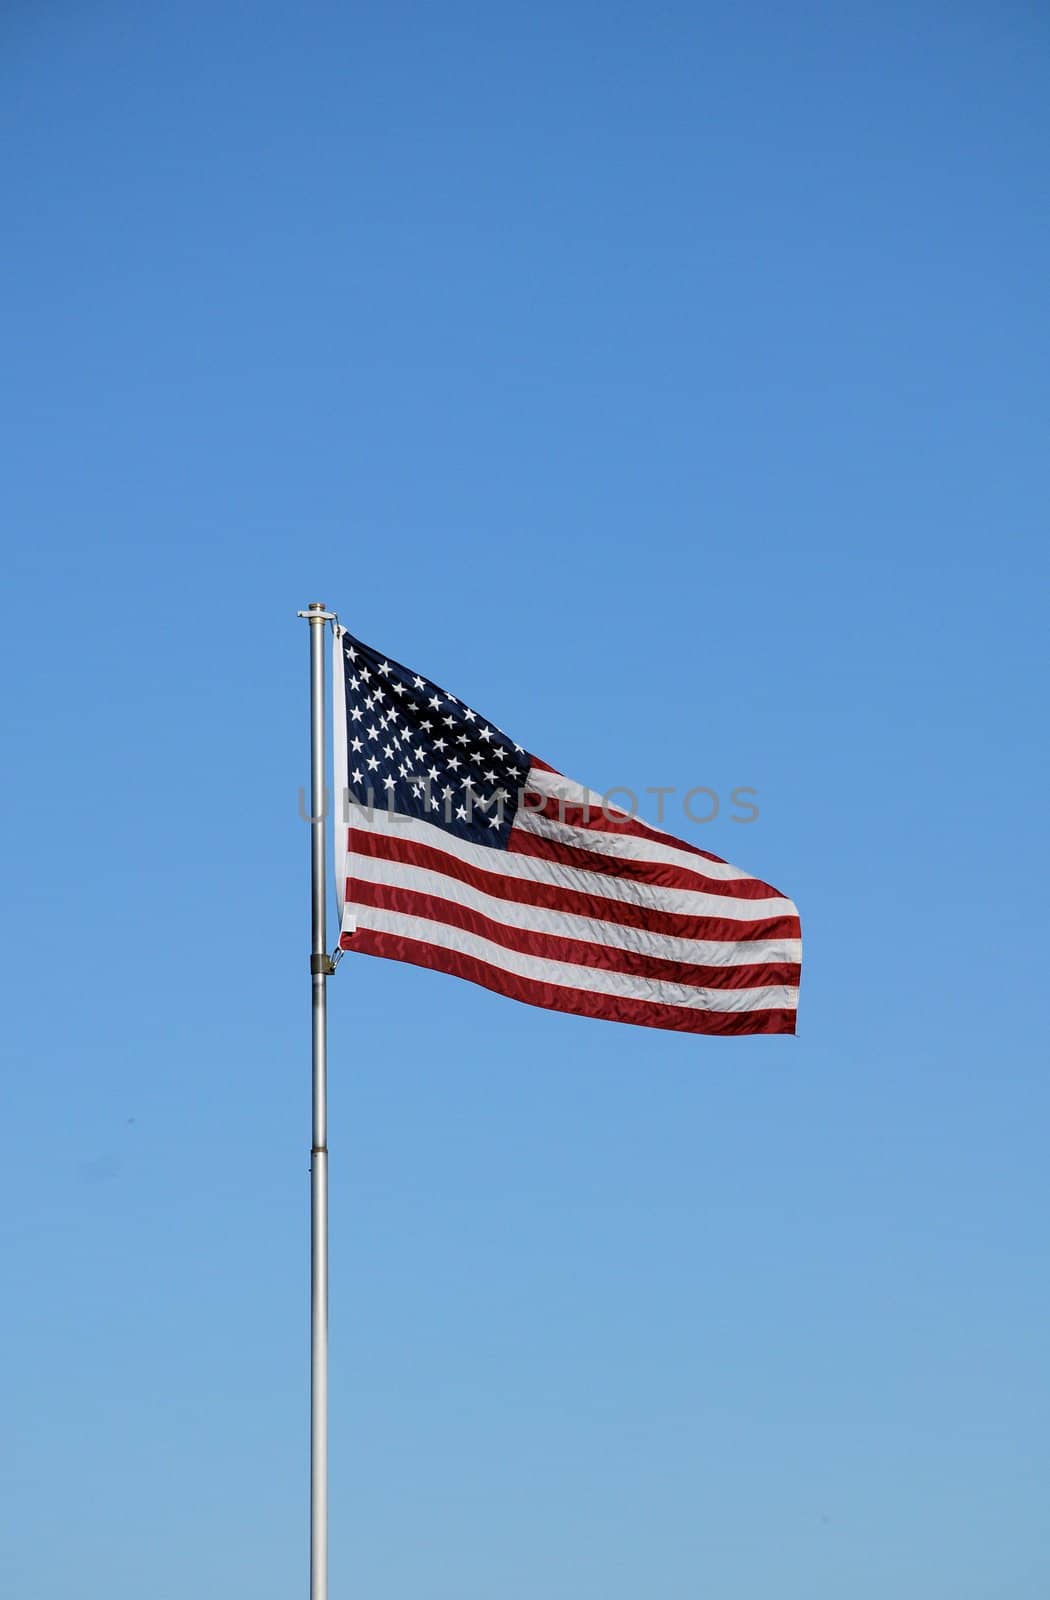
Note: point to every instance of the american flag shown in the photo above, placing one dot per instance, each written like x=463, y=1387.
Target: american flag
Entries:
x=457, y=849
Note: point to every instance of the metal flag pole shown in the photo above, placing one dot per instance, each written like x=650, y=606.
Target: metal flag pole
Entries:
x=320, y=969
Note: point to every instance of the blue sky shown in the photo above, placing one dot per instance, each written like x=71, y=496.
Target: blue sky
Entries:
x=670, y=383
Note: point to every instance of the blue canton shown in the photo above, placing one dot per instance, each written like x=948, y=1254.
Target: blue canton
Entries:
x=414, y=749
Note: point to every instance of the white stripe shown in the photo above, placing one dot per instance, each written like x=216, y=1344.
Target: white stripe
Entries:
x=566, y=975
x=667, y=848
x=626, y=846
x=338, y=761
x=560, y=787
x=538, y=919
x=532, y=869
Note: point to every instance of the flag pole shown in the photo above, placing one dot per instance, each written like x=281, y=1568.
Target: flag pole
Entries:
x=320, y=969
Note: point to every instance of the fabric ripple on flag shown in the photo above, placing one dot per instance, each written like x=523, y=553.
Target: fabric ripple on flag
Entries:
x=458, y=850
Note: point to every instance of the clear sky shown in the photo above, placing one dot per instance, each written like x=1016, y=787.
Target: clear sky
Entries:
x=669, y=382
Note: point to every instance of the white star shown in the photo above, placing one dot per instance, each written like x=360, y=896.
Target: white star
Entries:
x=469, y=714
x=419, y=683
x=450, y=722
x=463, y=739
x=461, y=813
x=519, y=749
x=399, y=688
x=494, y=820
x=384, y=668
x=426, y=725
x=490, y=777
x=366, y=674
x=486, y=734
x=447, y=792
x=351, y=652
x=355, y=713
x=433, y=772
x=434, y=703
x=439, y=744
x=372, y=732
x=388, y=751
x=355, y=743
x=388, y=783
x=355, y=683
x=357, y=775
x=372, y=763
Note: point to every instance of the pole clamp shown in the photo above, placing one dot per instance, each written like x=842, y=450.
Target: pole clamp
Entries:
x=321, y=966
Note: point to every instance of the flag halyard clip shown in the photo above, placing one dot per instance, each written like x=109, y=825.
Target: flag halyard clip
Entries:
x=324, y=966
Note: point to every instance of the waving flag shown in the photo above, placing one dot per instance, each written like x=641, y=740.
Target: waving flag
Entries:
x=458, y=850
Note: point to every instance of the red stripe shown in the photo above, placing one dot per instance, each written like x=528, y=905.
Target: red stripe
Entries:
x=611, y=1008
x=524, y=842
x=553, y=947
x=605, y=821
x=540, y=892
